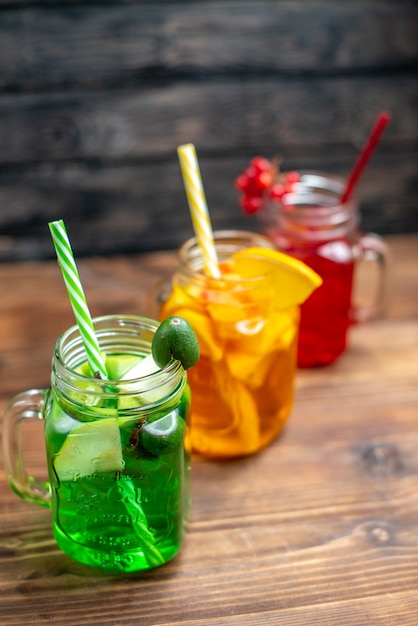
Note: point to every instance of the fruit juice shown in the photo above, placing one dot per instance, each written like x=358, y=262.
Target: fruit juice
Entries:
x=118, y=467
x=243, y=383
x=327, y=314
x=303, y=215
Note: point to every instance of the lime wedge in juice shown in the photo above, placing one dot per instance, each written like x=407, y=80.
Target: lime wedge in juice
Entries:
x=118, y=365
x=140, y=394
x=163, y=435
x=141, y=367
x=90, y=448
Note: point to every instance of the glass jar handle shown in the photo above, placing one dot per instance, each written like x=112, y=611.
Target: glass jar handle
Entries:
x=371, y=248
x=26, y=405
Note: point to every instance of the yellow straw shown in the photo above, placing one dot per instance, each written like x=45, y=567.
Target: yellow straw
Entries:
x=198, y=208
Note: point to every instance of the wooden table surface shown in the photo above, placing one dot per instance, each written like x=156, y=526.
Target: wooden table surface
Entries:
x=321, y=528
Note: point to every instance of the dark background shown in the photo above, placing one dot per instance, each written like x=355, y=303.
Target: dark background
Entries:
x=96, y=96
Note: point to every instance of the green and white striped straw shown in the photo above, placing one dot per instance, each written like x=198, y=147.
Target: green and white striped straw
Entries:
x=77, y=298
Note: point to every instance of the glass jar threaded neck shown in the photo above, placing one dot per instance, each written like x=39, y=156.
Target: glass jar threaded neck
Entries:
x=313, y=210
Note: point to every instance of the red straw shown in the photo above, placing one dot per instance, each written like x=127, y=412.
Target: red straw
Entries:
x=368, y=149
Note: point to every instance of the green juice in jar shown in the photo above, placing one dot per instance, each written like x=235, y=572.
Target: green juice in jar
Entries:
x=118, y=464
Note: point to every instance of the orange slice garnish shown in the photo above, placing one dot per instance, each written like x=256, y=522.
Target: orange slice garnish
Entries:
x=293, y=280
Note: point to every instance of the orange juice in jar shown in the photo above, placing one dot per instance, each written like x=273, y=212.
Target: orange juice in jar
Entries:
x=247, y=326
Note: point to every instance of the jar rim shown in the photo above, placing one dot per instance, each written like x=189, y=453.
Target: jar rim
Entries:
x=313, y=209
x=324, y=191
x=190, y=258
x=113, y=328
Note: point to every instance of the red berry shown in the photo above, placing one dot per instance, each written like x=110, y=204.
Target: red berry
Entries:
x=292, y=177
x=277, y=191
x=253, y=182
x=260, y=164
x=264, y=180
x=253, y=188
x=250, y=204
x=242, y=181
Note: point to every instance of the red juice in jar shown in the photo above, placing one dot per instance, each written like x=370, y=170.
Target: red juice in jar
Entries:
x=326, y=314
x=312, y=225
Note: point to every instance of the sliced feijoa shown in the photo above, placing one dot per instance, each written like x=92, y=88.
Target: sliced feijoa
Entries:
x=163, y=435
x=90, y=448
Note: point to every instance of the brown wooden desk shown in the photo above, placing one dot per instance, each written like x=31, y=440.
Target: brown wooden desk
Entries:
x=320, y=528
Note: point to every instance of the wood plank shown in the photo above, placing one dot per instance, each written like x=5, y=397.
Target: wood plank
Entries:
x=114, y=102
x=318, y=528
x=285, y=554
x=141, y=207
x=130, y=283
x=218, y=116
x=103, y=43
x=120, y=87
x=383, y=610
x=324, y=529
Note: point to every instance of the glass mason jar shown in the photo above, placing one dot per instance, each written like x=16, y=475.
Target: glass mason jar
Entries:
x=311, y=224
x=243, y=383
x=117, y=464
